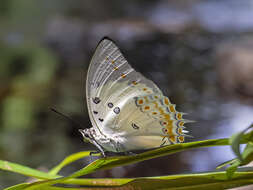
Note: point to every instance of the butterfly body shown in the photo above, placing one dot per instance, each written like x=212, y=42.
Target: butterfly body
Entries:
x=127, y=111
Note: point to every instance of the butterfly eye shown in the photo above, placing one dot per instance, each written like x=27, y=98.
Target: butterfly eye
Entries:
x=165, y=130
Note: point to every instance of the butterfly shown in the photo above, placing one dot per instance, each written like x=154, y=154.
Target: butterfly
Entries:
x=128, y=111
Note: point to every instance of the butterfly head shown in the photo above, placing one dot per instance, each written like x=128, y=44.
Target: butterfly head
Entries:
x=88, y=134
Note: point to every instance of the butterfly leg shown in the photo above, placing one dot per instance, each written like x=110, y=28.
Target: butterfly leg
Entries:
x=99, y=147
x=94, y=152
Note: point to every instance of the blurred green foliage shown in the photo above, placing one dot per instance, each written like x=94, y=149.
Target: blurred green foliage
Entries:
x=31, y=72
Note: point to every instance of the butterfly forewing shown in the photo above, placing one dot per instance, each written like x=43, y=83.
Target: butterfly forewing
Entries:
x=110, y=75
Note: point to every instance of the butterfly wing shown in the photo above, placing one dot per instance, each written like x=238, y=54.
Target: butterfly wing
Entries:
x=107, y=69
x=122, y=102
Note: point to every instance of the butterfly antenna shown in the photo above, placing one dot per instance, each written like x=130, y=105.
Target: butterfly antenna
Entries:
x=67, y=117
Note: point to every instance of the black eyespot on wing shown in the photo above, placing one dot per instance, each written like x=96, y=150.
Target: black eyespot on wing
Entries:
x=100, y=119
x=110, y=105
x=165, y=131
x=135, y=126
x=116, y=110
x=97, y=84
x=96, y=100
x=95, y=112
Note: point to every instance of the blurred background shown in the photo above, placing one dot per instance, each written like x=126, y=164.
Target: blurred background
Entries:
x=200, y=53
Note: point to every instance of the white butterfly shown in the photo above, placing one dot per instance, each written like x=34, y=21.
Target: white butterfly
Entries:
x=127, y=111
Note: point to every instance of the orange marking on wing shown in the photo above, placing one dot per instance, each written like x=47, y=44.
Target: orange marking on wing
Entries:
x=113, y=62
x=154, y=113
x=179, y=116
x=180, y=131
x=160, y=109
x=172, y=109
x=170, y=131
x=134, y=83
x=181, y=124
x=166, y=101
x=123, y=75
x=140, y=102
x=181, y=139
x=156, y=104
x=169, y=122
x=167, y=117
x=146, y=107
x=144, y=89
x=172, y=138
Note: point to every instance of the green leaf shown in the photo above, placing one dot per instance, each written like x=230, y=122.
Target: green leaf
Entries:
x=110, y=162
x=18, y=187
x=17, y=168
x=213, y=180
x=210, y=180
x=235, y=142
x=106, y=163
x=23, y=186
x=229, y=162
x=242, y=158
x=247, y=154
x=68, y=160
x=232, y=169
